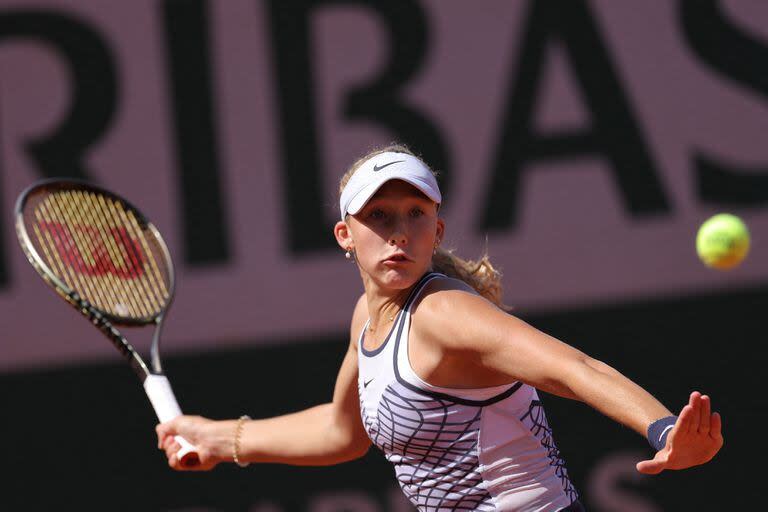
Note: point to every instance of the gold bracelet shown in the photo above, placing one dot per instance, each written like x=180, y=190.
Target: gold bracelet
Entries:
x=236, y=440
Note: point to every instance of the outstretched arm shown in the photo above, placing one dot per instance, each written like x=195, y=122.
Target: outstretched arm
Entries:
x=323, y=435
x=467, y=327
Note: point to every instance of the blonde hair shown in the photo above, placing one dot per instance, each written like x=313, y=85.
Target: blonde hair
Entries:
x=480, y=274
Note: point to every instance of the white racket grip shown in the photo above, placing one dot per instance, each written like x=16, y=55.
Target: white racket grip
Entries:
x=158, y=389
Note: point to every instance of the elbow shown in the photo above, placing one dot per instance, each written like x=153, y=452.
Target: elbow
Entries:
x=358, y=445
x=359, y=451
x=352, y=452
x=352, y=444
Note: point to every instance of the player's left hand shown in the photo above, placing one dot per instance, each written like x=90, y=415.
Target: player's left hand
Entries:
x=694, y=440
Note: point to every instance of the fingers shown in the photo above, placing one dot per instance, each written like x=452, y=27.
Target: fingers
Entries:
x=181, y=425
x=700, y=419
x=170, y=446
x=715, y=430
x=695, y=403
x=705, y=417
x=650, y=467
x=172, y=453
x=160, y=429
x=683, y=424
x=188, y=428
x=164, y=430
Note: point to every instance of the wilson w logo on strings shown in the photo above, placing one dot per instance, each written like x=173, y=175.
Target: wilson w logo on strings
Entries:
x=95, y=252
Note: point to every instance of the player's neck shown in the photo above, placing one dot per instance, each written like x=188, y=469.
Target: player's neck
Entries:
x=384, y=305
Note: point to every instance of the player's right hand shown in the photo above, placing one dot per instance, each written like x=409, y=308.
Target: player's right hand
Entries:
x=213, y=440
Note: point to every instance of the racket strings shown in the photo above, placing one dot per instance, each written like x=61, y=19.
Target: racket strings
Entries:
x=98, y=248
x=81, y=260
x=86, y=217
x=75, y=253
x=60, y=247
x=95, y=217
x=155, y=281
x=122, y=261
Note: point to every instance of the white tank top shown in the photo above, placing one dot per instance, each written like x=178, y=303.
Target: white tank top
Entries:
x=458, y=449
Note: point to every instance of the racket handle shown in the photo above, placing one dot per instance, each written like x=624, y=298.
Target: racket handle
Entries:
x=158, y=389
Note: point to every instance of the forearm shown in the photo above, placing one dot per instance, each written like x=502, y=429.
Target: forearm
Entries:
x=602, y=387
x=311, y=437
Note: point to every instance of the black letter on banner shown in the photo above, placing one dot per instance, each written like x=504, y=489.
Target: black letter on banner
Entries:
x=206, y=239
x=614, y=134
x=94, y=90
x=377, y=102
x=742, y=59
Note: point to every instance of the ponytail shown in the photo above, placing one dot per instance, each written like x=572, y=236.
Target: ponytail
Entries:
x=480, y=274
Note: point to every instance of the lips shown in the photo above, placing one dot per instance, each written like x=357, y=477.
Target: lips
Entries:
x=397, y=258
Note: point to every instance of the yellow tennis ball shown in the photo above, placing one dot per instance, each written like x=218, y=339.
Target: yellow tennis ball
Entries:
x=722, y=241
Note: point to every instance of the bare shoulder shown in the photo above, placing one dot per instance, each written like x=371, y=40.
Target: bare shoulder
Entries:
x=359, y=317
x=452, y=316
x=444, y=296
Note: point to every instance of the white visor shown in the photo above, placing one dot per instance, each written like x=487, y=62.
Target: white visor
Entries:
x=379, y=169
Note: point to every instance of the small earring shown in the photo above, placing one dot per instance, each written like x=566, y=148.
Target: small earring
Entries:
x=348, y=254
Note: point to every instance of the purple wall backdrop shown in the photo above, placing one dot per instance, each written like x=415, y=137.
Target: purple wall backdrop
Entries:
x=575, y=241
x=583, y=143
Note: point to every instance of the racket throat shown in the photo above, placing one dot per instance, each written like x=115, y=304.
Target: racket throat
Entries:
x=139, y=367
x=154, y=349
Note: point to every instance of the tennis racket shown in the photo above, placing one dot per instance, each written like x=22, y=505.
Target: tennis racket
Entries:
x=108, y=261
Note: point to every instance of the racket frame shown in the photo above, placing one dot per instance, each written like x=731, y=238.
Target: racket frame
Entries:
x=102, y=320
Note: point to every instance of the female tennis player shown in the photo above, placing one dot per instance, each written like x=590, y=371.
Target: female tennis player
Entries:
x=439, y=377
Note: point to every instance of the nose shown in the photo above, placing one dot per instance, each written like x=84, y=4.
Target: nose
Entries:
x=398, y=239
x=398, y=236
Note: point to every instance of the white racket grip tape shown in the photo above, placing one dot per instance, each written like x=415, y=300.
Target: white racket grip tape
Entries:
x=158, y=389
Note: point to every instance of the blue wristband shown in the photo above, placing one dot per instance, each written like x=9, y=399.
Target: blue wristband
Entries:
x=659, y=430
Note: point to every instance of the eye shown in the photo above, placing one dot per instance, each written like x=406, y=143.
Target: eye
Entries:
x=376, y=213
x=417, y=212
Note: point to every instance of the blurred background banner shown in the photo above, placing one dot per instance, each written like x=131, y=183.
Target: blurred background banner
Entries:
x=580, y=143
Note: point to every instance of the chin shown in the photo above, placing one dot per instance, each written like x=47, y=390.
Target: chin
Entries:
x=400, y=278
